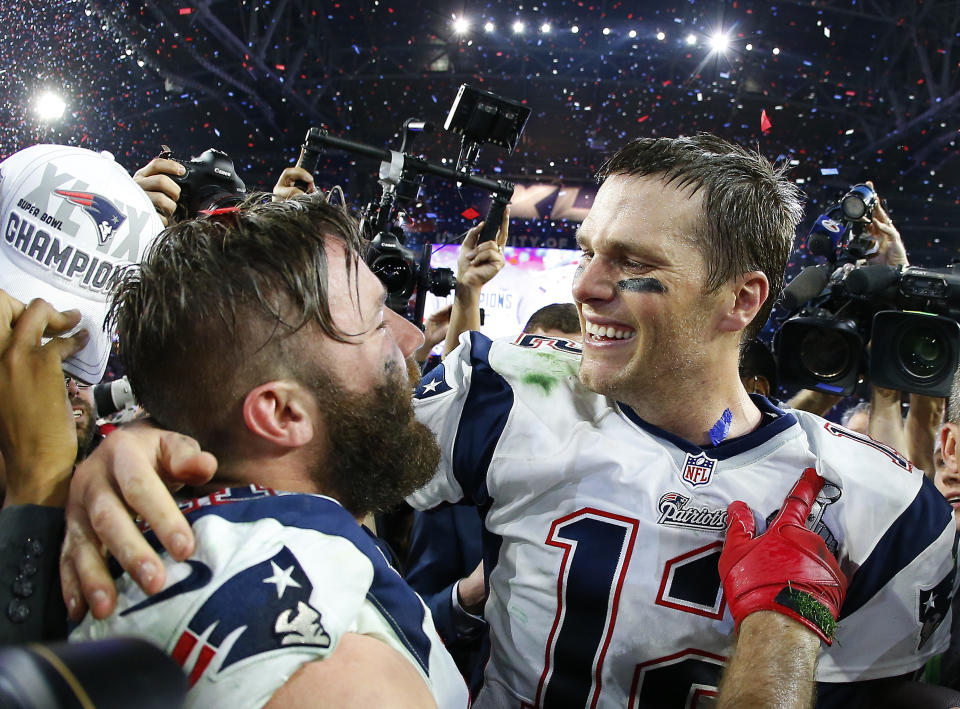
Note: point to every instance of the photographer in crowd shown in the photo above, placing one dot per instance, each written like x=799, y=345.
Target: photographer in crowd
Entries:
x=882, y=418
x=185, y=189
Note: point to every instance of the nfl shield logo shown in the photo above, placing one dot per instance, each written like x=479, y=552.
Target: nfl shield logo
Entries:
x=698, y=469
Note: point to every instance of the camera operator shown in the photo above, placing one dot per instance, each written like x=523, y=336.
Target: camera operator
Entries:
x=914, y=436
x=885, y=423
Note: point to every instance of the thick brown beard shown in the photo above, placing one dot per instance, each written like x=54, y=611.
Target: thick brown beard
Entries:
x=378, y=453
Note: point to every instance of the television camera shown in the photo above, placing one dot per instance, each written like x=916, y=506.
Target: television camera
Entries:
x=908, y=315
x=480, y=117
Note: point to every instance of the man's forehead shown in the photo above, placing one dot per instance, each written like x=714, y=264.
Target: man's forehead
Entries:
x=629, y=201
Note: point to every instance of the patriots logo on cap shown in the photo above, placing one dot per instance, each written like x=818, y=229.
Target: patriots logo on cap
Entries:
x=698, y=469
x=103, y=212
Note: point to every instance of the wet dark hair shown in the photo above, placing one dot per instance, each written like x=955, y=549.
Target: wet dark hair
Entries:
x=750, y=210
x=213, y=309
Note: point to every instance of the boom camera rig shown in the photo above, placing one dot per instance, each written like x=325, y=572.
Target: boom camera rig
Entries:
x=907, y=314
x=480, y=117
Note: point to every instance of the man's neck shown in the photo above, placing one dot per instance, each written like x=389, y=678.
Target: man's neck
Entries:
x=275, y=474
x=694, y=407
x=279, y=473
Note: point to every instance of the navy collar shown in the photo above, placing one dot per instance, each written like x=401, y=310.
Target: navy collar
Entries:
x=780, y=422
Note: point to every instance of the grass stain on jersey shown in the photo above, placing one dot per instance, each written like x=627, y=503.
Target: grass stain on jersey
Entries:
x=546, y=382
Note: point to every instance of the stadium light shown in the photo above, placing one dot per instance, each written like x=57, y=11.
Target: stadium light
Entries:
x=749, y=47
x=719, y=42
x=518, y=27
x=545, y=28
x=691, y=39
x=661, y=36
x=461, y=25
x=574, y=29
x=776, y=50
x=631, y=34
x=606, y=31
x=489, y=27
x=50, y=107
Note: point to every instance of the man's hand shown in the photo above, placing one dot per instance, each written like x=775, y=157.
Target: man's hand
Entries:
x=154, y=179
x=135, y=468
x=472, y=592
x=38, y=436
x=787, y=569
x=285, y=187
x=890, y=248
x=477, y=264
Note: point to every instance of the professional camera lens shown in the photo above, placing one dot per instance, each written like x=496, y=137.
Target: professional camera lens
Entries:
x=922, y=352
x=393, y=273
x=857, y=205
x=442, y=281
x=825, y=354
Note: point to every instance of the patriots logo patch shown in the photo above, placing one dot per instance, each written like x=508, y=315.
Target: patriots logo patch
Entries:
x=433, y=383
x=107, y=218
x=262, y=608
x=933, y=606
x=698, y=469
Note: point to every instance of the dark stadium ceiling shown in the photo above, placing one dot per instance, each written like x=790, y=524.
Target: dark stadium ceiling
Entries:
x=854, y=89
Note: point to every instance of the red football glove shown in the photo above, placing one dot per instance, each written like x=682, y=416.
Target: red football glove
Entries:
x=787, y=569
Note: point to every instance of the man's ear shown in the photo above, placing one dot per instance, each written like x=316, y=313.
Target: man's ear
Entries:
x=282, y=412
x=748, y=294
x=948, y=446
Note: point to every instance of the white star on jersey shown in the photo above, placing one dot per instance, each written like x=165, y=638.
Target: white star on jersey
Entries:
x=431, y=387
x=281, y=578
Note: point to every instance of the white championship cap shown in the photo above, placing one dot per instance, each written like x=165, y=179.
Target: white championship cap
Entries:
x=71, y=219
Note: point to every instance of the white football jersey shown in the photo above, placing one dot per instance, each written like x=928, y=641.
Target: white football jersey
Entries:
x=274, y=583
x=602, y=534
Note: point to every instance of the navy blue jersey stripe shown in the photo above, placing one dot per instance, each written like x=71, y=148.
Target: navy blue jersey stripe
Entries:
x=484, y=417
x=482, y=422
x=398, y=604
x=913, y=531
x=774, y=421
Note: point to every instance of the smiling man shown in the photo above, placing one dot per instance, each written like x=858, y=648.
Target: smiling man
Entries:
x=604, y=477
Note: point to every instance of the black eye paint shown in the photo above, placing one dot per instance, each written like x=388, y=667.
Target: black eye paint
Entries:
x=641, y=285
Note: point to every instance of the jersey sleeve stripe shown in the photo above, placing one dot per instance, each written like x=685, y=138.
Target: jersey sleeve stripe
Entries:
x=918, y=526
x=482, y=422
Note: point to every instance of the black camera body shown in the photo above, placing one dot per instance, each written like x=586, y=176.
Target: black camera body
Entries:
x=210, y=182
x=909, y=315
x=403, y=270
